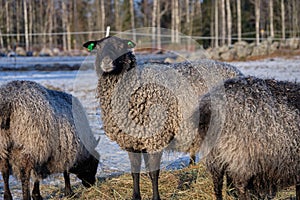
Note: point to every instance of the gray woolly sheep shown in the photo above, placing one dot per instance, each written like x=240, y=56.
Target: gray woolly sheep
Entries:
x=147, y=108
x=255, y=135
x=44, y=132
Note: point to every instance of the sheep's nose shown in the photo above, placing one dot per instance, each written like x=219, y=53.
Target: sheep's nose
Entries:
x=107, y=60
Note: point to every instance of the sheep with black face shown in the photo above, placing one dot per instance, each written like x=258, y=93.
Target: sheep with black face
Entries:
x=147, y=108
x=44, y=132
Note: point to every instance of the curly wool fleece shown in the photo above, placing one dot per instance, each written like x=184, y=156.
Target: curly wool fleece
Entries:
x=150, y=107
x=258, y=143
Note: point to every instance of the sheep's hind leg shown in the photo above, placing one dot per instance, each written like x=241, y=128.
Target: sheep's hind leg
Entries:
x=25, y=180
x=298, y=191
x=152, y=162
x=217, y=176
x=135, y=162
x=36, y=194
x=5, y=175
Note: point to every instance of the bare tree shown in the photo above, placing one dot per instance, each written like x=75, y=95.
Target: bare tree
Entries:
x=131, y=2
x=154, y=13
x=26, y=25
x=282, y=20
x=223, y=22
x=193, y=5
x=295, y=18
x=50, y=22
x=160, y=13
x=187, y=14
x=175, y=21
x=1, y=40
x=118, y=25
x=1, y=22
x=64, y=24
x=239, y=20
x=8, y=24
x=257, y=19
x=102, y=15
x=17, y=17
x=216, y=24
x=271, y=7
x=30, y=28
x=229, y=22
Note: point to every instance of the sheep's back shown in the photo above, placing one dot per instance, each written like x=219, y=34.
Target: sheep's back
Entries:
x=41, y=125
x=127, y=100
x=260, y=135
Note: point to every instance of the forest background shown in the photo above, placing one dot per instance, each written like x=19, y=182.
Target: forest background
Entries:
x=34, y=24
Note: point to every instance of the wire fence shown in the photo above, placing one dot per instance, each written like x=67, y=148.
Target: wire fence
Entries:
x=165, y=38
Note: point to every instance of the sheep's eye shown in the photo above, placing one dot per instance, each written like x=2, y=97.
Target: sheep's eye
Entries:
x=91, y=46
x=130, y=44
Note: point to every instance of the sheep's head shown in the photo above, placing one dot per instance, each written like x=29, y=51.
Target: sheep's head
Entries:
x=86, y=170
x=114, y=54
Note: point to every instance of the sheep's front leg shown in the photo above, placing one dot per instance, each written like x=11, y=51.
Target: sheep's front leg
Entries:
x=152, y=162
x=135, y=162
x=25, y=180
x=68, y=189
x=5, y=175
x=36, y=194
x=192, y=159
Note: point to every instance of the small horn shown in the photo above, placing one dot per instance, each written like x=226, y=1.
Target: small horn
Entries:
x=107, y=31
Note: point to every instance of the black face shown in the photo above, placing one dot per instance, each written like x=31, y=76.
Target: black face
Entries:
x=110, y=50
x=86, y=170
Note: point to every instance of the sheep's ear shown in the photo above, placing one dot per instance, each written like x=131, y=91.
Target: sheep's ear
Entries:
x=90, y=45
x=130, y=44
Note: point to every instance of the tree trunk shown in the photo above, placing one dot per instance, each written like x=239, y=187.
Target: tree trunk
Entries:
x=75, y=20
x=8, y=17
x=102, y=16
x=193, y=4
x=132, y=19
x=229, y=22
x=117, y=16
x=216, y=24
x=282, y=20
x=295, y=18
x=257, y=19
x=173, y=21
x=187, y=16
x=17, y=17
x=160, y=13
x=177, y=21
x=1, y=40
x=239, y=20
x=223, y=22
x=50, y=23
x=154, y=13
x=64, y=25
x=26, y=25
x=271, y=19
x=158, y=17
x=30, y=28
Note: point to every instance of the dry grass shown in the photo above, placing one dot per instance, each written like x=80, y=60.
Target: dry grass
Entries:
x=189, y=184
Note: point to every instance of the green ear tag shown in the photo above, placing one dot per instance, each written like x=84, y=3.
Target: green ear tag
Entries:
x=130, y=44
x=91, y=46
